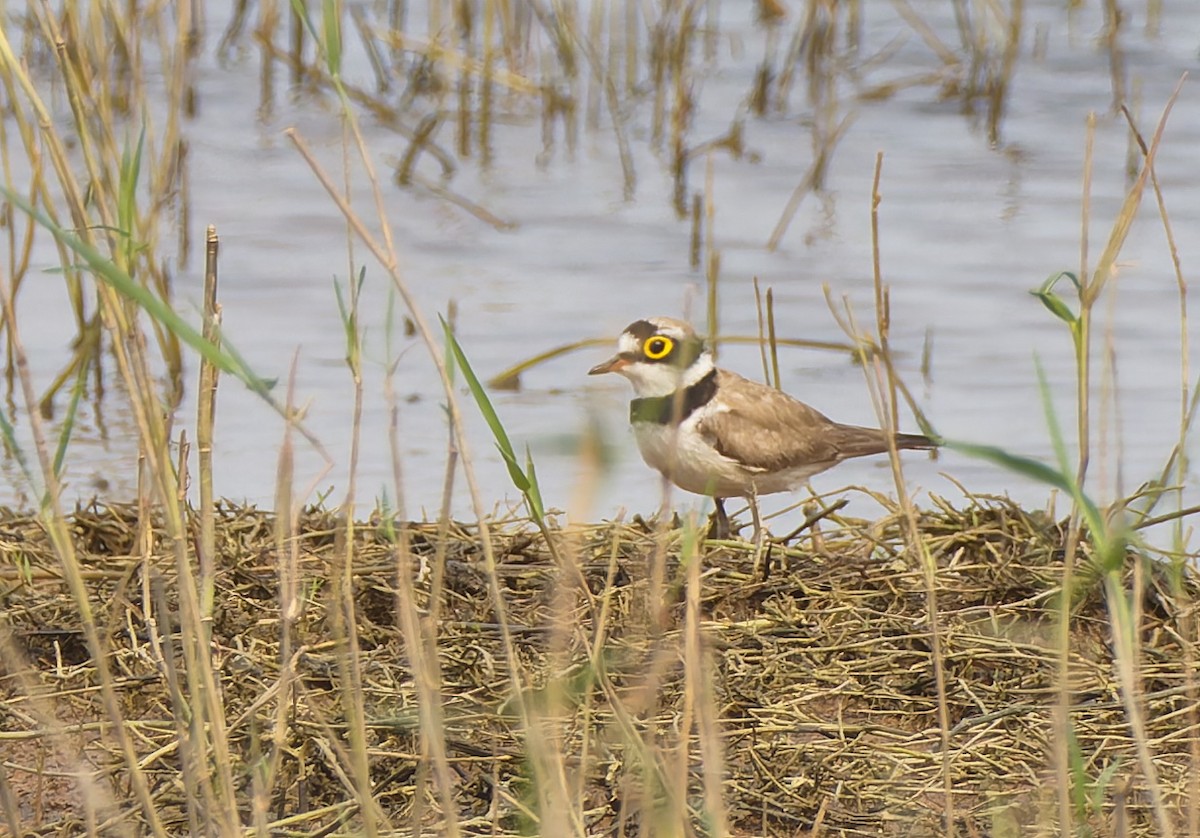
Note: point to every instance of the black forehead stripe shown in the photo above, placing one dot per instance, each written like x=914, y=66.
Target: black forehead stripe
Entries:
x=641, y=329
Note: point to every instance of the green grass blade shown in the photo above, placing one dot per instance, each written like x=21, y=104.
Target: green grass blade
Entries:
x=10, y=439
x=1017, y=463
x=1102, y=785
x=107, y=271
x=1091, y=512
x=1034, y=469
x=300, y=9
x=1079, y=777
x=68, y=425
x=1056, y=306
x=333, y=36
x=350, y=319
x=519, y=478
x=535, y=491
x=131, y=168
x=1056, y=437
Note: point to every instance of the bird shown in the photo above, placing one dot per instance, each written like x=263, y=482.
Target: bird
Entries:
x=712, y=432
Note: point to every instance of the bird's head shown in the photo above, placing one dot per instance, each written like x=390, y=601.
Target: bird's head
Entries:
x=658, y=356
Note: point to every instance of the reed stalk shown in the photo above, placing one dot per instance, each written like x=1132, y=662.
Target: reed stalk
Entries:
x=206, y=410
x=884, y=388
x=384, y=251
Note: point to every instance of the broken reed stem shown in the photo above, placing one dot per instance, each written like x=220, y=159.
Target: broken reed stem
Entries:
x=193, y=774
x=206, y=406
x=762, y=333
x=682, y=762
x=712, y=261
x=698, y=682
x=439, y=557
x=207, y=723
x=772, y=341
x=421, y=643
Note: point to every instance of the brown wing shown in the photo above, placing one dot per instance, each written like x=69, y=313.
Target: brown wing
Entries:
x=774, y=431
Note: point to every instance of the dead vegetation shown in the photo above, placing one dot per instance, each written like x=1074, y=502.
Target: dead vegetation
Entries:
x=820, y=670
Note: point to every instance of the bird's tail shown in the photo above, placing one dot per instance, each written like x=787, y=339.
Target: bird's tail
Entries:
x=915, y=441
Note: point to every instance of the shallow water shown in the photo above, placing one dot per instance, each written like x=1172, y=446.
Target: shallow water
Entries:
x=966, y=231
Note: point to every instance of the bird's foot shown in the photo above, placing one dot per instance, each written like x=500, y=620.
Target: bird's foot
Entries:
x=718, y=527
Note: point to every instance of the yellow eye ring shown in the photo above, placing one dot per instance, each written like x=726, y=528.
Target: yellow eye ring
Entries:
x=658, y=347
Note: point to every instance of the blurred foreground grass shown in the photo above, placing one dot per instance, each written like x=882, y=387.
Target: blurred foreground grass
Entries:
x=820, y=672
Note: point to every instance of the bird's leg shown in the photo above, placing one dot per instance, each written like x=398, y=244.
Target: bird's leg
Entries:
x=759, y=532
x=719, y=529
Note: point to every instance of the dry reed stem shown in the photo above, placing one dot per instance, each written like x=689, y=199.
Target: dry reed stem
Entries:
x=63, y=555
x=1187, y=410
x=98, y=59
x=773, y=342
x=386, y=254
x=883, y=384
x=1124, y=635
x=206, y=407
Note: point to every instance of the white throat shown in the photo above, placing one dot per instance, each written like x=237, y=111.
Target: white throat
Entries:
x=657, y=380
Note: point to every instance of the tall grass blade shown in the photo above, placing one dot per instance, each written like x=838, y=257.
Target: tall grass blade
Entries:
x=350, y=318
x=10, y=442
x=68, y=424
x=332, y=30
x=300, y=9
x=108, y=272
x=131, y=167
x=1091, y=512
x=1016, y=463
x=534, y=495
x=525, y=482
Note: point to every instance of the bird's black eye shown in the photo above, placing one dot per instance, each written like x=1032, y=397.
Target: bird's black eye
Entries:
x=658, y=347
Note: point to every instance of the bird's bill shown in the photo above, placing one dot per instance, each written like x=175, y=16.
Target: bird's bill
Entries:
x=614, y=364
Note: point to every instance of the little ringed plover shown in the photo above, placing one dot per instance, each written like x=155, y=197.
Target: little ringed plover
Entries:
x=713, y=432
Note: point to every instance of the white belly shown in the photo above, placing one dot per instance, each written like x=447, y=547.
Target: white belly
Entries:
x=686, y=459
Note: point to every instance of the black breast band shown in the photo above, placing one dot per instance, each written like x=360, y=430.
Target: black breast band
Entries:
x=666, y=410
